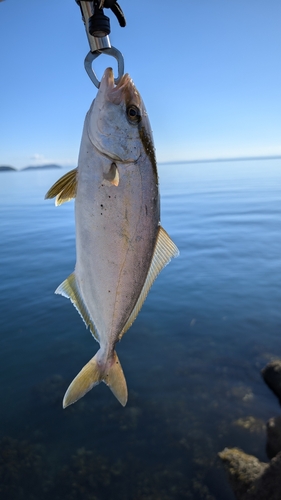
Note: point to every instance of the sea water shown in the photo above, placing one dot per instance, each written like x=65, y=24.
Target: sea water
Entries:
x=192, y=359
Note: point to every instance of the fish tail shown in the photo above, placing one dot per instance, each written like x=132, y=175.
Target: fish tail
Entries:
x=92, y=374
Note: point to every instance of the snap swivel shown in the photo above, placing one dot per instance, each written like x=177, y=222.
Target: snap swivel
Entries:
x=97, y=27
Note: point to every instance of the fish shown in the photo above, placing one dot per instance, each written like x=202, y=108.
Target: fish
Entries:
x=120, y=244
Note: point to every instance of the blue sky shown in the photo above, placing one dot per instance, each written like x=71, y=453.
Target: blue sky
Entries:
x=208, y=70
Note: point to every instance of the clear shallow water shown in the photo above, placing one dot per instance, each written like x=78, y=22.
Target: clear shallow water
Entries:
x=192, y=359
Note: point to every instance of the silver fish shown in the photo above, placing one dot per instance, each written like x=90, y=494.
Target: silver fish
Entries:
x=120, y=245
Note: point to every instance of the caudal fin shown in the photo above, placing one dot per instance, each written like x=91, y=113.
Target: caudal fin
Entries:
x=92, y=374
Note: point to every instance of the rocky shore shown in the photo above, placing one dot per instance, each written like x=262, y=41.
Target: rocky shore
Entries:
x=251, y=479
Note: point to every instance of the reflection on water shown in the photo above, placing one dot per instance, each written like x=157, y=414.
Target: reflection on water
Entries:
x=192, y=359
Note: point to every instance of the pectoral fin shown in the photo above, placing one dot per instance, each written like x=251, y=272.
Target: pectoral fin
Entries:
x=164, y=251
x=92, y=374
x=64, y=189
x=112, y=175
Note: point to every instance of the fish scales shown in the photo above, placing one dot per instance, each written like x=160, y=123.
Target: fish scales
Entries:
x=120, y=245
x=121, y=227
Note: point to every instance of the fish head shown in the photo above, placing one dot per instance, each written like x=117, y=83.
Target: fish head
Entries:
x=117, y=119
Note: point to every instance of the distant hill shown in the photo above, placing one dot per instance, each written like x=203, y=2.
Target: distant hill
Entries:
x=41, y=167
x=6, y=168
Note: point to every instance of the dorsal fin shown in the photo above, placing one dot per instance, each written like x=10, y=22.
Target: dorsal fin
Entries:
x=65, y=188
x=70, y=290
x=164, y=251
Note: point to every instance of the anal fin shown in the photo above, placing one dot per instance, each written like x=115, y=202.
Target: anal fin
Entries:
x=70, y=290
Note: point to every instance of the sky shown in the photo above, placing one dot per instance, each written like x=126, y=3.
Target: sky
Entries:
x=209, y=73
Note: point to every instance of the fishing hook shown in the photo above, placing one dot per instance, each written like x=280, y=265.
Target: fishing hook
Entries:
x=97, y=27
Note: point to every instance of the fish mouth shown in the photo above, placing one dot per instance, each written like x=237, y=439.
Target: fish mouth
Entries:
x=123, y=94
x=108, y=80
x=124, y=90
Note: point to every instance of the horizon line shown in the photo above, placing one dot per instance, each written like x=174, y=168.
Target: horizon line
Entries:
x=226, y=159
x=177, y=162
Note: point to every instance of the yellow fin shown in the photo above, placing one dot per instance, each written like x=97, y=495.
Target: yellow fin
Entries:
x=86, y=379
x=70, y=290
x=65, y=188
x=92, y=374
x=115, y=379
x=164, y=251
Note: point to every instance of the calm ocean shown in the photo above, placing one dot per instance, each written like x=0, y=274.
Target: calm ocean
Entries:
x=192, y=359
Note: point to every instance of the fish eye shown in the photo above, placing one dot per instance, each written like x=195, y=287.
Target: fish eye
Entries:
x=133, y=114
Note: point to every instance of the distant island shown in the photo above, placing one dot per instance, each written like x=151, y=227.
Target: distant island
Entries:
x=49, y=166
x=7, y=168
x=40, y=167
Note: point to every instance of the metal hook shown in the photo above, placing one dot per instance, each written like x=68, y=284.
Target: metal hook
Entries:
x=91, y=56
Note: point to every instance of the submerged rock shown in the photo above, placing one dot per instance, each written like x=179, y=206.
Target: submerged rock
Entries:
x=251, y=479
x=243, y=471
x=90, y=476
x=22, y=470
x=272, y=376
x=273, y=430
x=241, y=392
x=252, y=424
